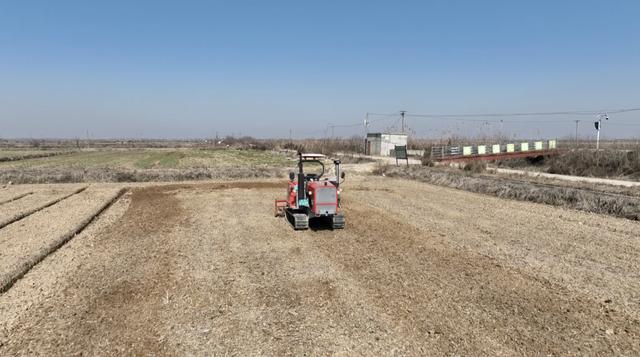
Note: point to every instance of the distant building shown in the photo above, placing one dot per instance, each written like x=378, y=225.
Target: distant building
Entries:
x=382, y=144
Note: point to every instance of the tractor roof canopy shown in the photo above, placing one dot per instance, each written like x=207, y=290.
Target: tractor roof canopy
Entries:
x=312, y=156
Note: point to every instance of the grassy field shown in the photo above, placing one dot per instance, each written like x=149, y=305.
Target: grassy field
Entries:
x=143, y=165
x=149, y=159
x=7, y=153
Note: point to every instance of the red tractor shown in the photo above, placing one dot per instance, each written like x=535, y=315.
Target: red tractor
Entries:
x=311, y=196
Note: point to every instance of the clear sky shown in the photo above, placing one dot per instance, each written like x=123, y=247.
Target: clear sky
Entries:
x=193, y=68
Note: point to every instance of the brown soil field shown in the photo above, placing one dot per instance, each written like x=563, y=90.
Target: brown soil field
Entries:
x=205, y=269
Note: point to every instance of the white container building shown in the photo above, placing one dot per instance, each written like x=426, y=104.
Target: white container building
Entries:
x=383, y=144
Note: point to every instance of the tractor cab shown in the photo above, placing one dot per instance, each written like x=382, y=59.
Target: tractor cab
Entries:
x=308, y=161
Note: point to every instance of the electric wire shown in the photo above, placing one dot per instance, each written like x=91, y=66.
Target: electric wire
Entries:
x=487, y=118
x=494, y=115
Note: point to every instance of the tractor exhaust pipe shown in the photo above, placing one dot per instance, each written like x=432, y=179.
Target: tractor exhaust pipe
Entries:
x=337, y=163
x=301, y=193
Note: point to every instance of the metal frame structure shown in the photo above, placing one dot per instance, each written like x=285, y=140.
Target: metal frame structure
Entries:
x=494, y=152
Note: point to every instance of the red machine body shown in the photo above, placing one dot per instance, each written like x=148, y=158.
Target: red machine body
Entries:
x=310, y=195
x=323, y=197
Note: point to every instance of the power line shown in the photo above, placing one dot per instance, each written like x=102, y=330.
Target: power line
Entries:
x=345, y=125
x=308, y=133
x=394, y=124
x=383, y=114
x=493, y=115
x=625, y=124
x=385, y=119
x=498, y=121
x=620, y=111
x=353, y=125
x=477, y=117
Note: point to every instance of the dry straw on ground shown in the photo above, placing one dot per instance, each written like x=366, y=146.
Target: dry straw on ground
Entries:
x=576, y=198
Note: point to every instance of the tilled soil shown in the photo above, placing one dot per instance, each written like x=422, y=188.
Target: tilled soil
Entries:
x=9, y=193
x=25, y=204
x=419, y=270
x=22, y=242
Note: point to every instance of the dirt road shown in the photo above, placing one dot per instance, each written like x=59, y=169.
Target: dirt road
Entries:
x=419, y=270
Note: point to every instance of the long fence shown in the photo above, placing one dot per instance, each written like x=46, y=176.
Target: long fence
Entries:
x=494, y=151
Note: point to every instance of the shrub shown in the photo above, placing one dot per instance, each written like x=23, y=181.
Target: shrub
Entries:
x=475, y=166
x=570, y=197
x=605, y=163
x=381, y=168
x=426, y=159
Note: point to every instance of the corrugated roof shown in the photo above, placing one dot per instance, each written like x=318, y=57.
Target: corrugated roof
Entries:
x=380, y=134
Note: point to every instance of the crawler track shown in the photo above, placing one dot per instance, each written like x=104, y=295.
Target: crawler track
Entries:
x=298, y=221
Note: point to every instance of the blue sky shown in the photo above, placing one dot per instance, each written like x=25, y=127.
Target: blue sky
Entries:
x=194, y=68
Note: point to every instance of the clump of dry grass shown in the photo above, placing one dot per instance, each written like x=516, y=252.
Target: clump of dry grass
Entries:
x=33, y=156
x=381, y=168
x=575, y=198
x=475, y=166
x=327, y=146
x=538, y=161
x=426, y=159
x=605, y=163
x=353, y=159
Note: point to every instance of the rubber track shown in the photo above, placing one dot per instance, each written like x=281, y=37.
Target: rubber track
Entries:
x=32, y=211
x=292, y=218
x=16, y=198
x=23, y=269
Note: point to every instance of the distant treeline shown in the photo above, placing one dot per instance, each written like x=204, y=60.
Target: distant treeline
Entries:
x=354, y=144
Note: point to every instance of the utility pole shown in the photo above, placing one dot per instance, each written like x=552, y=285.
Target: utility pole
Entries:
x=598, y=125
x=366, y=131
x=324, y=139
x=402, y=112
x=577, y=121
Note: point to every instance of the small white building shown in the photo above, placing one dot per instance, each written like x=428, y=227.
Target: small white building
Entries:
x=382, y=144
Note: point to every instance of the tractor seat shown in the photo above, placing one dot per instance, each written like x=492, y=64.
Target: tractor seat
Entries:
x=312, y=177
